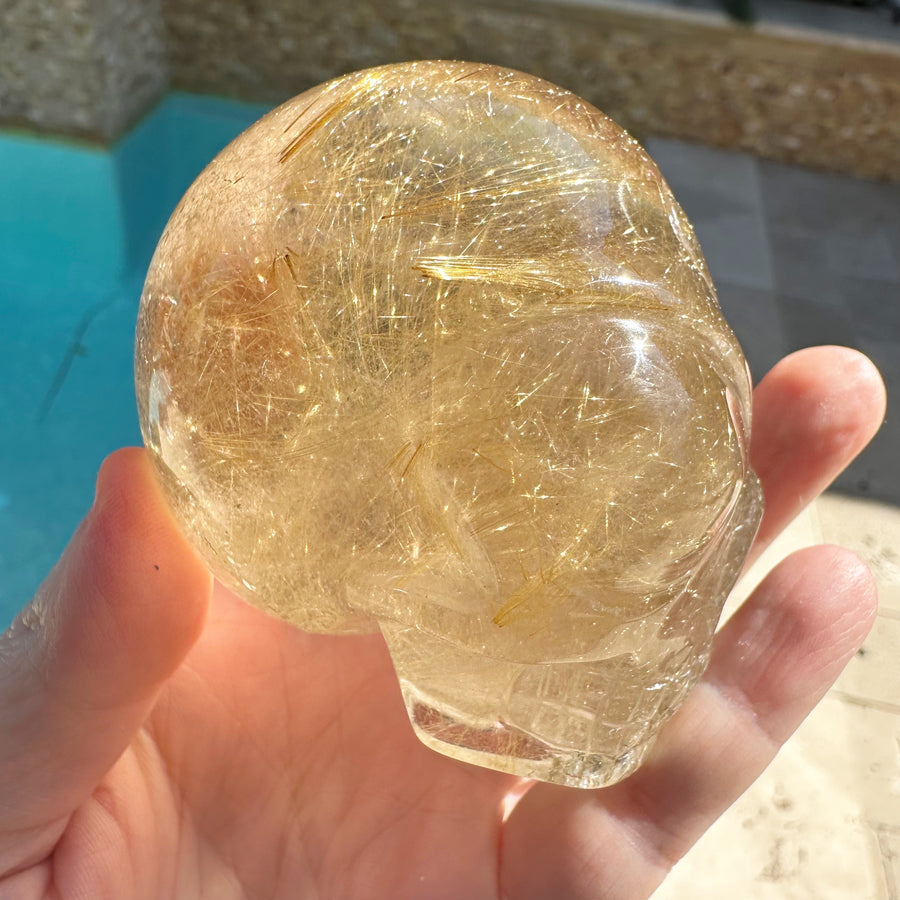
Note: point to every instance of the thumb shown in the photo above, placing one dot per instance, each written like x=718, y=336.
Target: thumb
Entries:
x=83, y=662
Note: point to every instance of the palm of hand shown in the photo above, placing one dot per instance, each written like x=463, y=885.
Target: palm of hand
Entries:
x=287, y=761
x=258, y=761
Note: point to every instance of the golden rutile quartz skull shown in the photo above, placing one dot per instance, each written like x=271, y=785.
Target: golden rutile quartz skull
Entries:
x=432, y=349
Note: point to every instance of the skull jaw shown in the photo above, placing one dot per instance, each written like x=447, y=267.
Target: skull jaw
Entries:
x=577, y=723
x=506, y=749
x=585, y=725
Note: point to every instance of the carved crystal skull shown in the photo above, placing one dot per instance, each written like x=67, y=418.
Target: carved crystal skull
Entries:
x=432, y=349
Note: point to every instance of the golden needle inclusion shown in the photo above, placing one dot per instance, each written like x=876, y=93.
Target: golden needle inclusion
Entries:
x=432, y=349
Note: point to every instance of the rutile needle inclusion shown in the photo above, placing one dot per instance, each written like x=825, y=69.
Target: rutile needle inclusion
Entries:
x=432, y=349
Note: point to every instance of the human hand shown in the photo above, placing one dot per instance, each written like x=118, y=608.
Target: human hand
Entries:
x=159, y=738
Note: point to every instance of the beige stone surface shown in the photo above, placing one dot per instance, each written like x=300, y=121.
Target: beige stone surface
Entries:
x=824, y=820
x=794, y=836
x=78, y=67
x=859, y=745
x=870, y=529
x=889, y=599
x=874, y=674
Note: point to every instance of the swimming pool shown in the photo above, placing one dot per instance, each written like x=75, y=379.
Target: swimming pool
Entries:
x=77, y=227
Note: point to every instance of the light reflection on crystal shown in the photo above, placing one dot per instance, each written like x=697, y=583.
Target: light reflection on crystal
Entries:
x=432, y=349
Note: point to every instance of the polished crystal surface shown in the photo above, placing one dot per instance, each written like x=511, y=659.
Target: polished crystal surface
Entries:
x=432, y=349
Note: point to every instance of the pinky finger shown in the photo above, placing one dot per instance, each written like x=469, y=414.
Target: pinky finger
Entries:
x=771, y=664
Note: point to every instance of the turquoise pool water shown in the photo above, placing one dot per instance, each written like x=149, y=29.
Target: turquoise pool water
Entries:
x=77, y=228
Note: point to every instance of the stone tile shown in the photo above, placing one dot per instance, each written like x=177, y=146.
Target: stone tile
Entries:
x=823, y=204
x=870, y=256
x=807, y=323
x=873, y=674
x=841, y=273
x=734, y=244
x=710, y=168
x=889, y=600
x=82, y=68
x=794, y=834
x=755, y=318
x=801, y=265
x=706, y=204
x=720, y=193
x=806, y=268
x=859, y=746
x=870, y=529
x=874, y=306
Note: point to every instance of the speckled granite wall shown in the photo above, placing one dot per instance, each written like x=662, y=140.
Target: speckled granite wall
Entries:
x=82, y=67
x=90, y=66
x=827, y=103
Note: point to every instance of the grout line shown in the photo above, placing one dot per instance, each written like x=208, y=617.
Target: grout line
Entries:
x=887, y=858
x=855, y=700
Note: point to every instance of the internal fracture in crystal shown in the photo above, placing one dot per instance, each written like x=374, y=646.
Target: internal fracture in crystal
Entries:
x=432, y=349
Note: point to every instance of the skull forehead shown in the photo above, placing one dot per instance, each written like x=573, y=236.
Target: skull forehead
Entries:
x=464, y=174
x=413, y=364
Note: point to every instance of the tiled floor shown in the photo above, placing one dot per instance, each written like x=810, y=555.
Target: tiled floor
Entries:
x=800, y=259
